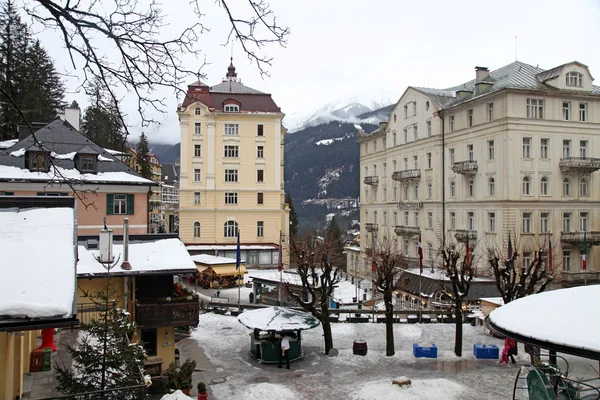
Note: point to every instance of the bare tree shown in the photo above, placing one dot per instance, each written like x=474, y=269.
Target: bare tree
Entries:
x=311, y=257
x=388, y=264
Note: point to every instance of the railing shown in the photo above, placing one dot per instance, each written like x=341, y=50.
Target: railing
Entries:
x=371, y=180
x=461, y=235
x=577, y=277
x=407, y=230
x=410, y=205
x=406, y=174
x=86, y=312
x=580, y=164
x=465, y=167
x=370, y=227
x=164, y=313
x=578, y=238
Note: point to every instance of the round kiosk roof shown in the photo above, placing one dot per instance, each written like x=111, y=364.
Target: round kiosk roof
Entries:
x=277, y=319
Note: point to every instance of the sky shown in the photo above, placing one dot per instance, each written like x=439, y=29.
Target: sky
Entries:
x=368, y=49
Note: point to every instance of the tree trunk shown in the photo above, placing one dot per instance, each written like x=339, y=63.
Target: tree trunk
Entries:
x=389, y=325
x=459, y=331
x=326, y=323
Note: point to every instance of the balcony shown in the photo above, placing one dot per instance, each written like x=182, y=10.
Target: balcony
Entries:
x=465, y=167
x=461, y=235
x=410, y=205
x=575, y=278
x=371, y=227
x=576, y=239
x=164, y=313
x=407, y=174
x=407, y=230
x=582, y=165
x=371, y=180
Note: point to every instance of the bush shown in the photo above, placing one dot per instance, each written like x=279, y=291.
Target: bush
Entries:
x=201, y=387
x=180, y=378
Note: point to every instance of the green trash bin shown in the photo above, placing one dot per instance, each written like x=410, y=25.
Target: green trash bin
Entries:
x=46, y=359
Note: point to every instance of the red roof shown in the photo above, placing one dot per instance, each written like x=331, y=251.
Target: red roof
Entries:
x=250, y=102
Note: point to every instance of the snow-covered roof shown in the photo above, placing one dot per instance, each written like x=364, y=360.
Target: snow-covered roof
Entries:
x=38, y=262
x=9, y=173
x=564, y=317
x=145, y=257
x=8, y=143
x=278, y=319
x=494, y=300
x=212, y=260
x=213, y=247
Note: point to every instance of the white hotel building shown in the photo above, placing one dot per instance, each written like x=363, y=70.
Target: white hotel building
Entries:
x=513, y=150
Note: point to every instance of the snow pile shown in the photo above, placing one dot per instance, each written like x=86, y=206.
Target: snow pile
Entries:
x=102, y=158
x=18, y=153
x=268, y=391
x=327, y=142
x=428, y=389
x=67, y=156
x=177, y=395
x=8, y=143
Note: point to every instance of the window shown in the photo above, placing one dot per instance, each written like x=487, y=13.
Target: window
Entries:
x=544, y=186
x=232, y=129
x=260, y=152
x=415, y=132
x=384, y=193
x=406, y=192
x=261, y=132
x=526, y=186
x=38, y=163
x=491, y=187
x=428, y=123
x=428, y=160
x=394, y=117
x=535, y=108
x=395, y=216
x=260, y=229
x=566, y=187
x=197, y=198
x=574, y=79
x=544, y=148
x=566, y=260
x=231, y=198
x=470, y=117
x=7, y=193
x=231, y=108
x=119, y=204
x=39, y=194
x=544, y=222
x=231, y=152
x=374, y=217
x=197, y=111
x=566, y=225
x=384, y=170
x=583, y=148
x=583, y=112
x=426, y=106
x=405, y=218
x=430, y=219
x=197, y=128
x=384, y=143
x=490, y=111
x=405, y=111
x=527, y=222
x=491, y=150
x=196, y=229
x=197, y=175
x=452, y=189
x=416, y=162
x=451, y=156
x=491, y=222
x=197, y=150
x=230, y=229
x=394, y=166
x=526, y=259
x=526, y=147
x=566, y=148
x=405, y=135
x=471, y=187
x=451, y=123
x=260, y=176
x=414, y=108
x=366, y=194
x=149, y=341
x=583, y=221
x=471, y=221
x=452, y=220
x=416, y=191
x=416, y=218
x=395, y=193
x=231, y=175
x=394, y=134
x=429, y=190
x=583, y=187
x=566, y=110
x=470, y=152
x=405, y=246
x=366, y=147
x=87, y=164
x=260, y=198
x=374, y=145
x=405, y=163
x=385, y=218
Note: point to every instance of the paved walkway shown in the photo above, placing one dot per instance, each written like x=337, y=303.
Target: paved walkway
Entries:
x=205, y=371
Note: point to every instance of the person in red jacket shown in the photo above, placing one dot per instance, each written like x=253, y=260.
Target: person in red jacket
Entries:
x=512, y=348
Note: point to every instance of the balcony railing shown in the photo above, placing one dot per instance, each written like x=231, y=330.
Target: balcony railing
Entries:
x=371, y=227
x=461, y=235
x=576, y=239
x=580, y=277
x=579, y=164
x=371, y=180
x=410, y=205
x=407, y=230
x=465, y=167
x=164, y=313
x=407, y=174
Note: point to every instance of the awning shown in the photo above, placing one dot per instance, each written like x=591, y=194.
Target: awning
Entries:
x=228, y=270
x=201, y=268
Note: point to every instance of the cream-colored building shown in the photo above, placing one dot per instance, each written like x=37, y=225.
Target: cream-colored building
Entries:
x=513, y=150
x=232, y=172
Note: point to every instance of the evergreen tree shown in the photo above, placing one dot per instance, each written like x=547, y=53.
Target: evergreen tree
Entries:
x=293, y=216
x=143, y=157
x=334, y=236
x=101, y=122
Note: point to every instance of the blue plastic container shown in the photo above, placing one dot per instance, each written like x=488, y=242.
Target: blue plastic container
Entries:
x=424, y=351
x=486, y=351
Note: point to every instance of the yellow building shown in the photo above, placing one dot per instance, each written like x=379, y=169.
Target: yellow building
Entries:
x=232, y=172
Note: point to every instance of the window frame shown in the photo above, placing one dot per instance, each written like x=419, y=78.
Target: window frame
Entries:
x=544, y=147
x=566, y=221
x=566, y=186
x=491, y=186
x=490, y=111
x=584, y=187
x=197, y=111
x=526, y=147
x=260, y=198
x=544, y=222
x=544, y=186
x=122, y=201
x=260, y=131
x=260, y=229
x=197, y=175
x=230, y=229
x=583, y=112
x=566, y=110
x=197, y=128
x=231, y=151
x=491, y=149
x=231, y=176
x=231, y=108
x=197, y=150
x=526, y=186
x=196, y=230
x=260, y=176
x=231, y=198
x=231, y=129
x=260, y=151
x=574, y=79
x=566, y=148
x=526, y=222
x=470, y=117
x=91, y=164
x=197, y=198
x=492, y=221
x=535, y=108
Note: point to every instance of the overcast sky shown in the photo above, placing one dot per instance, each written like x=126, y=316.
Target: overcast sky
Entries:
x=374, y=49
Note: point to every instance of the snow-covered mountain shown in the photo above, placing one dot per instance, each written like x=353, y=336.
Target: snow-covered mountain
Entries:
x=345, y=109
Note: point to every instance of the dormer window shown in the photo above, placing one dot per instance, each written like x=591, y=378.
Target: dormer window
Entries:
x=574, y=79
x=87, y=164
x=197, y=111
x=232, y=108
x=38, y=162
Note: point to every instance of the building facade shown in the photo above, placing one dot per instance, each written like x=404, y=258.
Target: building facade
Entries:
x=513, y=151
x=170, y=197
x=232, y=172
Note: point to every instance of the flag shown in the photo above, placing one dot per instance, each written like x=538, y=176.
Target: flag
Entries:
x=550, y=256
x=584, y=252
x=510, y=249
x=238, y=255
x=280, y=266
x=420, y=253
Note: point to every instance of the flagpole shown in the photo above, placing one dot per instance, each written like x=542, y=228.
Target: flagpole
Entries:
x=238, y=260
x=280, y=268
x=584, y=264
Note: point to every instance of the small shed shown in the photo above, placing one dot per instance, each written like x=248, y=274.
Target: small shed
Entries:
x=489, y=304
x=215, y=271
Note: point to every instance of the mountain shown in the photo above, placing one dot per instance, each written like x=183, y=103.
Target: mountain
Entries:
x=166, y=153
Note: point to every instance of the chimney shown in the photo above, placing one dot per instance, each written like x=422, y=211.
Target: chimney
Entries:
x=71, y=115
x=481, y=73
x=126, y=265
x=382, y=125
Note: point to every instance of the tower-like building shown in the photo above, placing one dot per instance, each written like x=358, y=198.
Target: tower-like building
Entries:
x=232, y=172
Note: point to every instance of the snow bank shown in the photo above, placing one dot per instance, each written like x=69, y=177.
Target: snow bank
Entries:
x=268, y=391
x=177, y=395
x=428, y=389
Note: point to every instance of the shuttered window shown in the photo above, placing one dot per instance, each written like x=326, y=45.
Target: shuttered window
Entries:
x=119, y=204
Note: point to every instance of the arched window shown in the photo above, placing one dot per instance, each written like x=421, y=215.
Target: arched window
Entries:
x=566, y=187
x=406, y=191
x=526, y=186
x=416, y=191
x=574, y=79
x=583, y=187
x=429, y=190
x=197, y=111
x=196, y=229
x=471, y=187
x=232, y=108
x=394, y=117
x=544, y=186
x=230, y=229
x=492, y=186
x=452, y=189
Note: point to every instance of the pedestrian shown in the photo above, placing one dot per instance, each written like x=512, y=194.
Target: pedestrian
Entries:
x=285, y=351
x=512, y=348
x=504, y=357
